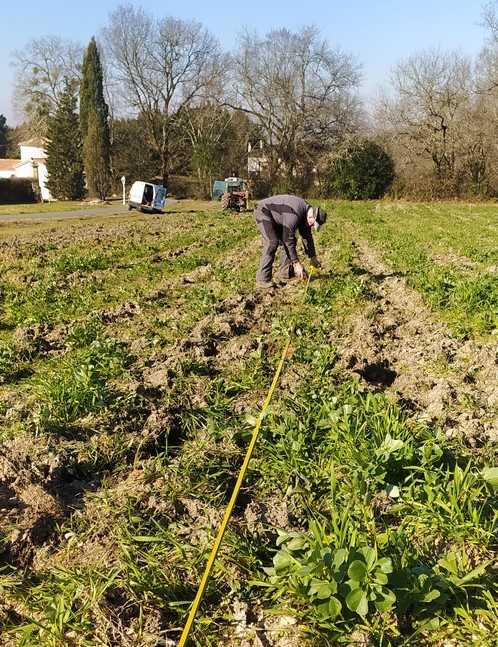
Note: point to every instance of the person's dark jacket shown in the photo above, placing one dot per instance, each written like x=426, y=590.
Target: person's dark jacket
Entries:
x=290, y=212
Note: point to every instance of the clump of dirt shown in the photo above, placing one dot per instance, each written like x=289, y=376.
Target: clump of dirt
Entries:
x=253, y=628
x=30, y=510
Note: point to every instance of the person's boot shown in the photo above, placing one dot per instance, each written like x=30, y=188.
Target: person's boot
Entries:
x=266, y=284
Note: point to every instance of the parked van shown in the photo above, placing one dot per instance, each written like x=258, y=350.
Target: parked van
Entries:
x=148, y=197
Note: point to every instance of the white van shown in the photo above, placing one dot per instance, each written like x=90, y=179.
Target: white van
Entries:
x=148, y=197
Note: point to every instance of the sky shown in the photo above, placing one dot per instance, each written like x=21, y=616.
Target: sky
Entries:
x=378, y=33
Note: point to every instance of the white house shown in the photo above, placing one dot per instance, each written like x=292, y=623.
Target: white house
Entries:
x=256, y=160
x=31, y=165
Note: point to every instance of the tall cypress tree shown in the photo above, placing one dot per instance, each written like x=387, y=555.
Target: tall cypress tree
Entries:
x=94, y=124
x=65, y=178
x=3, y=136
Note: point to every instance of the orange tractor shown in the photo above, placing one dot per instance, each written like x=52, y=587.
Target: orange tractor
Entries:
x=233, y=193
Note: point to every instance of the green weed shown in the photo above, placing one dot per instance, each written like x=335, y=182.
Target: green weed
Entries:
x=80, y=384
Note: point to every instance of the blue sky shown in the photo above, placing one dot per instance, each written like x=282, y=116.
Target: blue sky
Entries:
x=379, y=33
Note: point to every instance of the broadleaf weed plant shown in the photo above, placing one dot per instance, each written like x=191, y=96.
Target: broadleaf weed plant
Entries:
x=330, y=586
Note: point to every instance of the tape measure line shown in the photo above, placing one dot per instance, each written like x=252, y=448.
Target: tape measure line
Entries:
x=229, y=509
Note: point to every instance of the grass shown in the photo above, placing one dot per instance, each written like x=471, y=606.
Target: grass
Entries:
x=135, y=358
x=447, y=253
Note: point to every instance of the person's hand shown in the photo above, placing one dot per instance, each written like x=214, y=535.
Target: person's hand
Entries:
x=315, y=262
x=299, y=270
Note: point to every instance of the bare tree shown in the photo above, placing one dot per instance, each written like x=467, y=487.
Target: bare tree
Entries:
x=486, y=122
x=204, y=128
x=426, y=109
x=43, y=66
x=160, y=67
x=299, y=91
x=490, y=20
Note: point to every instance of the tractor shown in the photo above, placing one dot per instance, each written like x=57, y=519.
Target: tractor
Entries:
x=233, y=192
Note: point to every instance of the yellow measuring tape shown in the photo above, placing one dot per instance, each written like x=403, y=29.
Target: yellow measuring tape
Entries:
x=228, y=511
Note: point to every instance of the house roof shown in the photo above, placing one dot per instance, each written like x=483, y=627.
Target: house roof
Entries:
x=8, y=164
x=33, y=160
x=29, y=162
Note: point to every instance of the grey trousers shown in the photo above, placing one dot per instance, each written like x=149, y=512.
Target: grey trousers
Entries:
x=272, y=240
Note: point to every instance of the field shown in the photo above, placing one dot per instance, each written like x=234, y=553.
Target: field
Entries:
x=138, y=363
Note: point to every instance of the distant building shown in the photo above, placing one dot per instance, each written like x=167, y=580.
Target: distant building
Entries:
x=32, y=165
x=256, y=160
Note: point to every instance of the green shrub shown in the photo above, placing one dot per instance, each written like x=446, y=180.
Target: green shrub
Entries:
x=362, y=171
x=18, y=191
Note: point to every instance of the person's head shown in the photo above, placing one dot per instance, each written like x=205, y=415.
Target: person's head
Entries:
x=316, y=217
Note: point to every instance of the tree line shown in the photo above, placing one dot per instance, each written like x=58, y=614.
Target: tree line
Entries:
x=158, y=99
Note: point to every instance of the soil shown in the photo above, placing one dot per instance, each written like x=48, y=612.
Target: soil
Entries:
x=397, y=347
